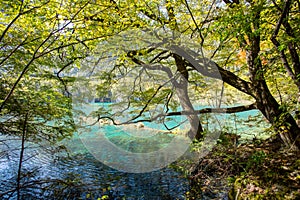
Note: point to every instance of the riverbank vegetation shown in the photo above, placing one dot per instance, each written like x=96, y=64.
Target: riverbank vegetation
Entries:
x=160, y=60
x=257, y=170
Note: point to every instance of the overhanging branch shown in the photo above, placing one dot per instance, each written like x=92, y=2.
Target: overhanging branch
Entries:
x=229, y=110
x=209, y=68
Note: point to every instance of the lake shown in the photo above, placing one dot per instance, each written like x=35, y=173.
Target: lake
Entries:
x=77, y=174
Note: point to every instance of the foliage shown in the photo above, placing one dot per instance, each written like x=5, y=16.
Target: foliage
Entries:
x=142, y=63
x=252, y=171
x=124, y=42
x=158, y=58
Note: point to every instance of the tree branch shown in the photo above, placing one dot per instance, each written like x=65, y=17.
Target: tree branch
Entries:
x=62, y=69
x=229, y=110
x=24, y=132
x=13, y=51
x=152, y=16
x=19, y=15
x=211, y=69
x=35, y=56
x=295, y=58
x=195, y=23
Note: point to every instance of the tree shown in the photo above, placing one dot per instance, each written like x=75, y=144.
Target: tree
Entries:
x=253, y=37
x=40, y=43
x=222, y=30
x=212, y=25
x=176, y=52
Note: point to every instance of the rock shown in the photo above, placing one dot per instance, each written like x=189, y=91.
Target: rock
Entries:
x=140, y=125
x=104, y=121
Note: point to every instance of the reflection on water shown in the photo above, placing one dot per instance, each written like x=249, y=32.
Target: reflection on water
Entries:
x=80, y=176
x=47, y=174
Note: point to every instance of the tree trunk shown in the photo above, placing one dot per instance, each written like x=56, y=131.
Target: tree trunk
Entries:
x=282, y=121
x=196, y=128
x=181, y=87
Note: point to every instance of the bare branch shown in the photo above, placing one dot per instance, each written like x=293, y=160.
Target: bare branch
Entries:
x=229, y=110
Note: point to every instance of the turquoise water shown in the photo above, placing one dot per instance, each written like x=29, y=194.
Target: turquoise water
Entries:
x=76, y=174
x=248, y=124
x=110, y=144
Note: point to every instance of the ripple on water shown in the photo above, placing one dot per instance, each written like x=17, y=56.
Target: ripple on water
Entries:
x=80, y=175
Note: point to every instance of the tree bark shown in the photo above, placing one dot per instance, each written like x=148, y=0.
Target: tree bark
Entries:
x=281, y=120
x=21, y=156
x=181, y=87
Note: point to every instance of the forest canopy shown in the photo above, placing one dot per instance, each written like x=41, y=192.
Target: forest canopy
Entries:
x=250, y=46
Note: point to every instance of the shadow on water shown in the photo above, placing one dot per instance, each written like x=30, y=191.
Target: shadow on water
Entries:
x=80, y=176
